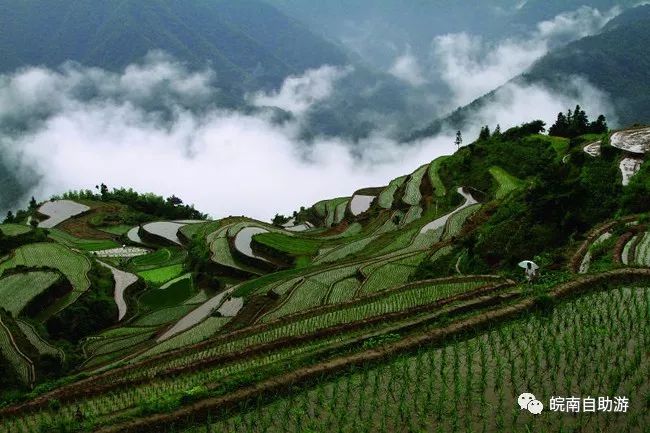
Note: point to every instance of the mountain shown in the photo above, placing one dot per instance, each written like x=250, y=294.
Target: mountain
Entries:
x=248, y=43
x=127, y=312
x=615, y=61
x=379, y=31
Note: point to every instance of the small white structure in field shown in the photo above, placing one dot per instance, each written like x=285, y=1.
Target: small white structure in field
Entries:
x=530, y=269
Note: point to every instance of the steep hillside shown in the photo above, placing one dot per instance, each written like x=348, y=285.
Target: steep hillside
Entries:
x=615, y=61
x=122, y=312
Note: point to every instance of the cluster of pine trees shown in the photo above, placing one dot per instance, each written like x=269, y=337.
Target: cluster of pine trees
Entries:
x=576, y=123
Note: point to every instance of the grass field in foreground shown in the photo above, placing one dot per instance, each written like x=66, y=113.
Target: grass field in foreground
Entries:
x=472, y=385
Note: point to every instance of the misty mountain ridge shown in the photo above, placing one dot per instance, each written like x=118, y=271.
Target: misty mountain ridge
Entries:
x=613, y=61
x=249, y=44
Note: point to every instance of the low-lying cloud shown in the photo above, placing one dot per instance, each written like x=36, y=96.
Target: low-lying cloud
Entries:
x=155, y=127
x=407, y=68
x=299, y=93
x=472, y=66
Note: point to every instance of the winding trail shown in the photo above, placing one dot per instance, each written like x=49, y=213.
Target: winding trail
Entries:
x=440, y=222
x=123, y=280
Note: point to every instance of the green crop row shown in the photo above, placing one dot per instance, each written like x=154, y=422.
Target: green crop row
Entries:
x=412, y=195
x=472, y=385
x=17, y=290
x=73, y=265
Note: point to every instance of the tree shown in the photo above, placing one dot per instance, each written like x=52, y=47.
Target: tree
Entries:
x=32, y=203
x=175, y=201
x=33, y=222
x=278, y=220
x=10, y=217
x=485, y=133
x=459, y=139
x=576, y=123
x=103, y=190
x=599, y=126
x=561, y=126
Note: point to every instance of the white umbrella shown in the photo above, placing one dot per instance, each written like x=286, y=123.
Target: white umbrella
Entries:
x=527, y=264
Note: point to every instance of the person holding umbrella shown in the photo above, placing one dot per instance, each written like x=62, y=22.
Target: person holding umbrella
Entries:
x=530, y=269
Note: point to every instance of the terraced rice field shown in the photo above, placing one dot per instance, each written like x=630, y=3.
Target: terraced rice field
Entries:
x=165, y=230
x=81, y=244
x=198, y=333
x=134, y=236
x=22, y=365
x=593, y=149
x=310, y=291
x=458, y=220
x=222, y=255
x=344, y=251
x=160, y=258
x=289, y=244
x=164, y=316
x=629, y=167
x=243, y=240
x=438, y=186
x=442, y=221
x=632, y=140
x=387, y=196
x=360, y=204
x=196, y=315
x=14, y=229
x=505, y=181
x=124, y=252
x=200, y=230
x=172, y=293
x=412, y=195
x=117, y=230
x=59, y=211
x=593, y=346
x=123, y=280
x=43, y=347
x=642, y=251
x=162, y=275
x=333, y=210
x=586, y=261
x=74, y=266
x=17, y=290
